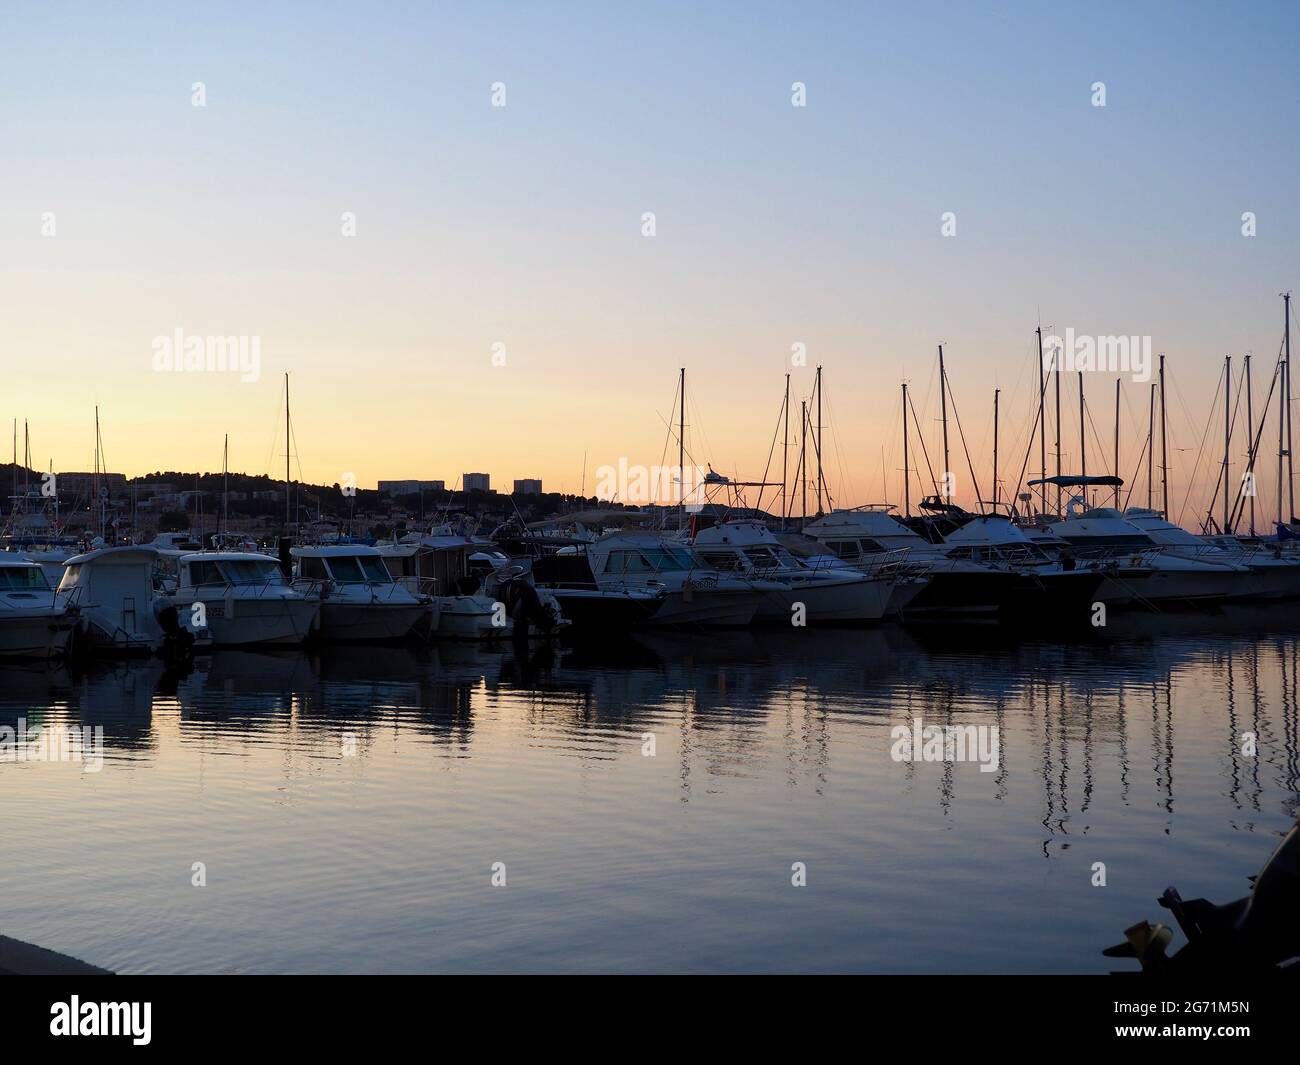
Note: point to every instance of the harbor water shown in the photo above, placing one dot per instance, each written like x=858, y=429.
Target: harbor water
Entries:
x=711, y=802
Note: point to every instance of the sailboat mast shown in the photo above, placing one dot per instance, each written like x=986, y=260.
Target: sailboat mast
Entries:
x=1227, y=434
x=1151, y=449
x=1164, y=445
x=681, y=453
x=1117, y=380
x=943, y=404
x=1290, y=469
x=1250, y=440
x=803, y=459
x=996, y=393
x=1281, y=441
x=907, y=474
x=287, y=449
x=95, y=482
x=225, y=485
x=1057, y=368
x=1083, y=441
x=785, y=451
x=819, y=440
x=1042, y=417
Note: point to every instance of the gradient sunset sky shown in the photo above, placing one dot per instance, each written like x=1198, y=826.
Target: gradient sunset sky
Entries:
x=522, y=225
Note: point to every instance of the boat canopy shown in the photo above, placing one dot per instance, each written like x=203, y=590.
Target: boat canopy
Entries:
x=1075, y=481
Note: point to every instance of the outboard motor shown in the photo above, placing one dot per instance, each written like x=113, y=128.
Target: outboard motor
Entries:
x=523, y=605
x=178, y=641
x=285, y=545
x=1259, y=932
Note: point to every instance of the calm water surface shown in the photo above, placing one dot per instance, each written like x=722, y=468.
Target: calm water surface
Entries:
x=770, y=748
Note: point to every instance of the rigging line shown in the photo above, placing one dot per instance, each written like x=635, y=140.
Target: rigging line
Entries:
x=776, y=432
x=842, y=468
x=1029, y=450
x=969, y=465
x=1200, y=449
x=924, y=450
x=663, y=455
x=685, y=450
x=275, y=432
x=1259, y=435
x=1013, y=403
x=1101, y=448
x=1232, y=424
x=1133, y=480
x=1040, y=412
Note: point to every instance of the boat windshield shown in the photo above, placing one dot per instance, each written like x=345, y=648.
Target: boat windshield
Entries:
x=667, y=558
x=769, y=557
x=346, y=569
x=359, y=569
x=23, y=579
x=250, y=571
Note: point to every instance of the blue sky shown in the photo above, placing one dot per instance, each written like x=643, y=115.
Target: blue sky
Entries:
x=520, y=224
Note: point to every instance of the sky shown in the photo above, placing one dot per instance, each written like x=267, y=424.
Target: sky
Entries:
x=515, y=234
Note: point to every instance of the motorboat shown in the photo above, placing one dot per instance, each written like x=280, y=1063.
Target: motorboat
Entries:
x=242, y=599
x=749, y=549
x=112, y=590
x=1044, y=588
x=33, y=623
x=1264, y=574
x=1137, y=565
x=869, y=538
x=359, y=599
x=438, y=565
x=695, y=593
x=591, y=609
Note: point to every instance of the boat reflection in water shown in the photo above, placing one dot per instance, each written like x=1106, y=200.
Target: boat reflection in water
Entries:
x=348, y=804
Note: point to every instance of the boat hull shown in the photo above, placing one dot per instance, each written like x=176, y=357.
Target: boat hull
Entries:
x=962, y=593
x=369, y=622
x=707, y=607
x=36, y=635
x=467, y=617
x=1062, y=597
x=826, y=601
x=248, y=622
x=595, y=612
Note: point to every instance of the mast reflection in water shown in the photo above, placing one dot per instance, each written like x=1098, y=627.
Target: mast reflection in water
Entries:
x=348, y=809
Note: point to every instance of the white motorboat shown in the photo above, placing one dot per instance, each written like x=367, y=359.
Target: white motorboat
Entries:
x=33, y=623
x=439, y=566
x=840, y=594
x=112, y=588
x=694, y=592
x=1262, y=575
x=359, y=599
x=1138, y=566
x=241, y=598
x=870, y=538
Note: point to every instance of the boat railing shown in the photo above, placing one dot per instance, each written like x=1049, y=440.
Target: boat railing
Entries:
x=419, y=586
x=1115, y=555
x=255, y=589
x=883, y=563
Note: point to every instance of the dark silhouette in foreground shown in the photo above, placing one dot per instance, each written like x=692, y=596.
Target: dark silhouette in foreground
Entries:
x=1257, y=933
